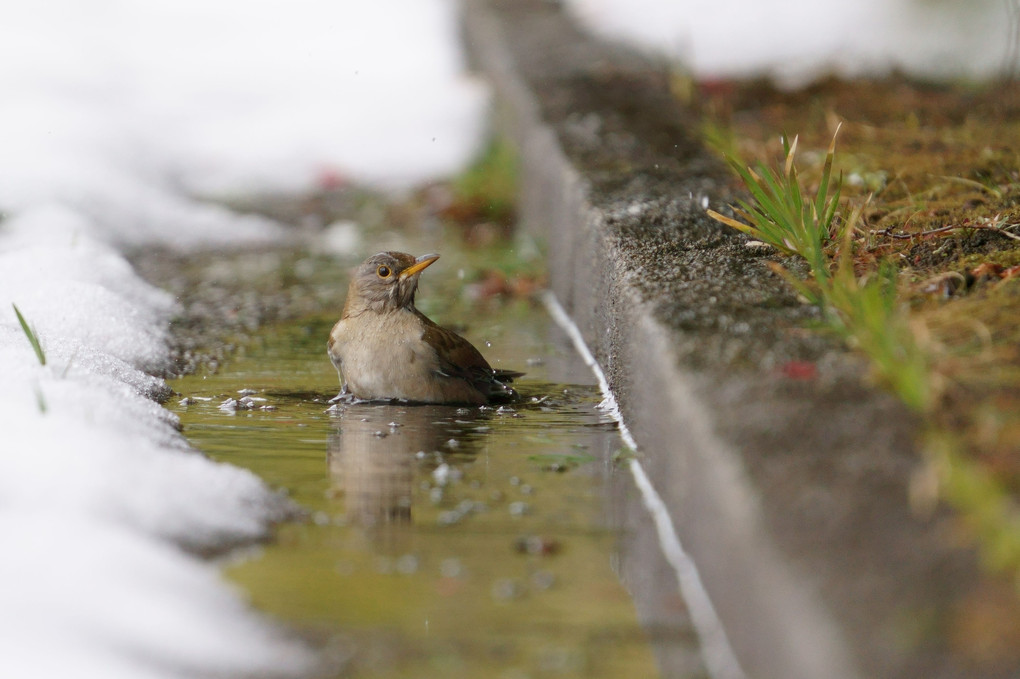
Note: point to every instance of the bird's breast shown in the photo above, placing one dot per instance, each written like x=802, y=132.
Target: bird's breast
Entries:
x=383, y=355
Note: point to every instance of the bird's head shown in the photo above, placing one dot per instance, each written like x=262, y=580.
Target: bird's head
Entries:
x=386, y=282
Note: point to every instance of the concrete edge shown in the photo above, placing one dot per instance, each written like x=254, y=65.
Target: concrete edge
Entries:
x=777, y=628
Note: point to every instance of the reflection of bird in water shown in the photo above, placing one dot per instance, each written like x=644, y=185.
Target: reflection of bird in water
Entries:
x=373, y=449
x=384, y=348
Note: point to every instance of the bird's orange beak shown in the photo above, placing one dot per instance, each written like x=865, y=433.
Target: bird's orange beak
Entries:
x=420, y=264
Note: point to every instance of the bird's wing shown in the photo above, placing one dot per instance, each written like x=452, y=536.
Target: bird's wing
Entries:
x=458, y=358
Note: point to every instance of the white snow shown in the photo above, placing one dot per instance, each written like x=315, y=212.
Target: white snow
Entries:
x=99, y=491
x=91, y=599
x=123, y=111
x=795, y=41
x=122, y=123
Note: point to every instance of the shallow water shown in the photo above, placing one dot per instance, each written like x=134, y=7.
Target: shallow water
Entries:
x=443, y=541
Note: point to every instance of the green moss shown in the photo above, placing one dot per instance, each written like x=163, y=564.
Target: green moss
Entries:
x=487, y=190
x=1003, y=258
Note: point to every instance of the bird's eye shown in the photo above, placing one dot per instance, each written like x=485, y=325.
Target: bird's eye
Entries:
x=383, y=271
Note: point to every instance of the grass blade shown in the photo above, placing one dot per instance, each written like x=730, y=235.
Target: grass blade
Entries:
x=33, y=338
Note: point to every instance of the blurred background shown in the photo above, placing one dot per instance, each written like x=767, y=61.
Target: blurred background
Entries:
x=121, y=111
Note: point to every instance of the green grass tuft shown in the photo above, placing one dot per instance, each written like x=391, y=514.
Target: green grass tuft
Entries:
x=783, y=214
x=866, y=311
x=871, y=318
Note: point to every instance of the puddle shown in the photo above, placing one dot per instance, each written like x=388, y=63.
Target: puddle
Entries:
x=444, y=541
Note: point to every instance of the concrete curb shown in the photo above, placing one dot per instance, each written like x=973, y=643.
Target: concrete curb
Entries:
x=791, y=496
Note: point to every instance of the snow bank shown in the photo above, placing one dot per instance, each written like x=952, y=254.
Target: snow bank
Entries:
x=121, y=121
x=92, y=600
x=123, y=111
x=797, y=40
x=98, y=490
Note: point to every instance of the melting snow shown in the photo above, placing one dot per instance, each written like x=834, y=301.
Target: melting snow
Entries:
x=121, y=122
x=798, y=40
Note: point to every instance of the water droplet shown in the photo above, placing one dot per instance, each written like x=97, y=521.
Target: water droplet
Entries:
x=407, y=564
x=518, y=508
x=449, y=517
x=506, y=589
x=451, y=568
x=543, y=579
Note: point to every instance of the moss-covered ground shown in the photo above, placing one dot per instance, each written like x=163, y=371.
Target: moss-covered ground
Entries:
x=938, y=171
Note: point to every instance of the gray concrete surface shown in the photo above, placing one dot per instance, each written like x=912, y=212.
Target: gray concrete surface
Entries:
x=790, y=495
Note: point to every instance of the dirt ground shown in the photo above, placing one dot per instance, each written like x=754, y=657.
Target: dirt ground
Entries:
x=939, y=167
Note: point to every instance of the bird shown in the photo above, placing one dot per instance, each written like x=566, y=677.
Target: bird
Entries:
x=385, y=349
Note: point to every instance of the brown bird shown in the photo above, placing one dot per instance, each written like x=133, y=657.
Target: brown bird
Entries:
x=384, y=348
